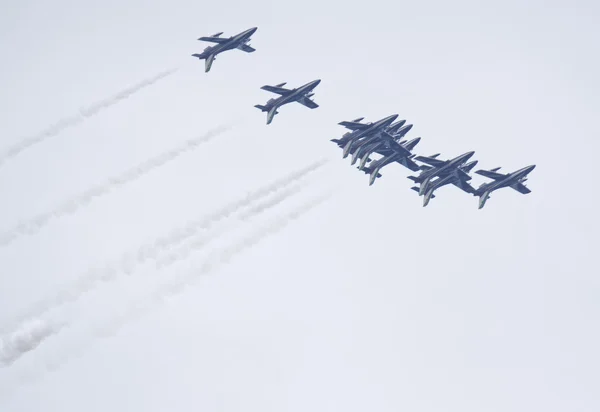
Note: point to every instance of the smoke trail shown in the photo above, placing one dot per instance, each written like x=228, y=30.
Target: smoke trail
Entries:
x=128, y=261
x=29, y=336
x=213, y=262
x=188, y=248
x=136, y=311
x=83, y=114
x=26, y=340
x=35, y=224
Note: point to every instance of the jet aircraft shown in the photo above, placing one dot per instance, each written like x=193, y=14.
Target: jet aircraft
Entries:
x=397, y=152
x=239, y=41
x=369, y=131
x=459, y=178
x=301, y=95
x=366, y=146
x=437, y=168
x=514, y=180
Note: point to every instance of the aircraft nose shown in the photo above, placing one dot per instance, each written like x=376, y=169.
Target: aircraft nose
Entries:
x=316, y=82
x=252, y=30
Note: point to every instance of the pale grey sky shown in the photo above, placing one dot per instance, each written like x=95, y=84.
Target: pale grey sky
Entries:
x=366, y=302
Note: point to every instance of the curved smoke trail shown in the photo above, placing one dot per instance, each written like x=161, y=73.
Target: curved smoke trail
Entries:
x=35, y=224
x=83, y=114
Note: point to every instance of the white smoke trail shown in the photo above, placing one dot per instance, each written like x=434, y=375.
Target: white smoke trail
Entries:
x=188, y=248
x=213, y=262
x=136, y=311
x=128, y=261
x=83, y=114
x=26, y=339
x=31, y=334
x=33, y=225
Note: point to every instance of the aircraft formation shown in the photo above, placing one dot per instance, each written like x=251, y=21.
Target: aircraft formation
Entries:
x=382, y=137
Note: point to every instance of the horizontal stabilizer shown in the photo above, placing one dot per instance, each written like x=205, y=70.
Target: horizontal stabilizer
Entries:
x=495, y=169
x=281, y=84
x=357, y=120
x=261, y=107
x=217, y=34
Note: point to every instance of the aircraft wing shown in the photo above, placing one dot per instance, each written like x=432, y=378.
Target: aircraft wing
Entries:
x=247, y=49
x=464, y=186
x=274, y=89
x=490, y=174
x=213, y=39
x=410, y=164
x=430, y=161
x=521, y=188
x=305, y=101
x=354, y=125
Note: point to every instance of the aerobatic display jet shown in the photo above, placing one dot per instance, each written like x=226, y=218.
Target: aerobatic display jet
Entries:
x=362, y=130
x=514, y=180
x=459, y=178
x=300, y=95
x=437, y=168
x=398, y=153
x=239, y=41
x=395, y=133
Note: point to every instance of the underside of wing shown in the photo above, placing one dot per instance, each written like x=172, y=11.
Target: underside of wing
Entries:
x=464, y=186
x=490, y=174
x=521, y=188
x=305, y=101
x=278, y=90
x=213, y=39
x=408, y=163
x=430, y=161
x=246, y=48
x=354, y=125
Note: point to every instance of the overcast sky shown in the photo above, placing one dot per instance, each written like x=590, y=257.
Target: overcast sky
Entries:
x=367, y=301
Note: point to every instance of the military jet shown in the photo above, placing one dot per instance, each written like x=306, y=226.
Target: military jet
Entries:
x=514, y=180
x=391, y=129
x=362, y=130
x=459, y=178
x=399, y=153
x=437, y=168
x=368, y=145
x=301, y=95
x=239, y=41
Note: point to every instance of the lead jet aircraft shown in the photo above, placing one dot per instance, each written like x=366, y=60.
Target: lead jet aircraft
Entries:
x=301, y=95
x=514, y=180
x=458, y=178
x=363, y=130
x=396, y=152
x=239, y=41
x=437, y=168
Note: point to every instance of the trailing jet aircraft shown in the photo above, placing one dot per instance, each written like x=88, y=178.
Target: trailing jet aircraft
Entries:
x=514, y=180
x=386, y=140
x=437, y=168
x=459, y=178
x=239, y=41
x=398, y=153
x=301, y=95
x=391, y=129
x=362, y=130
